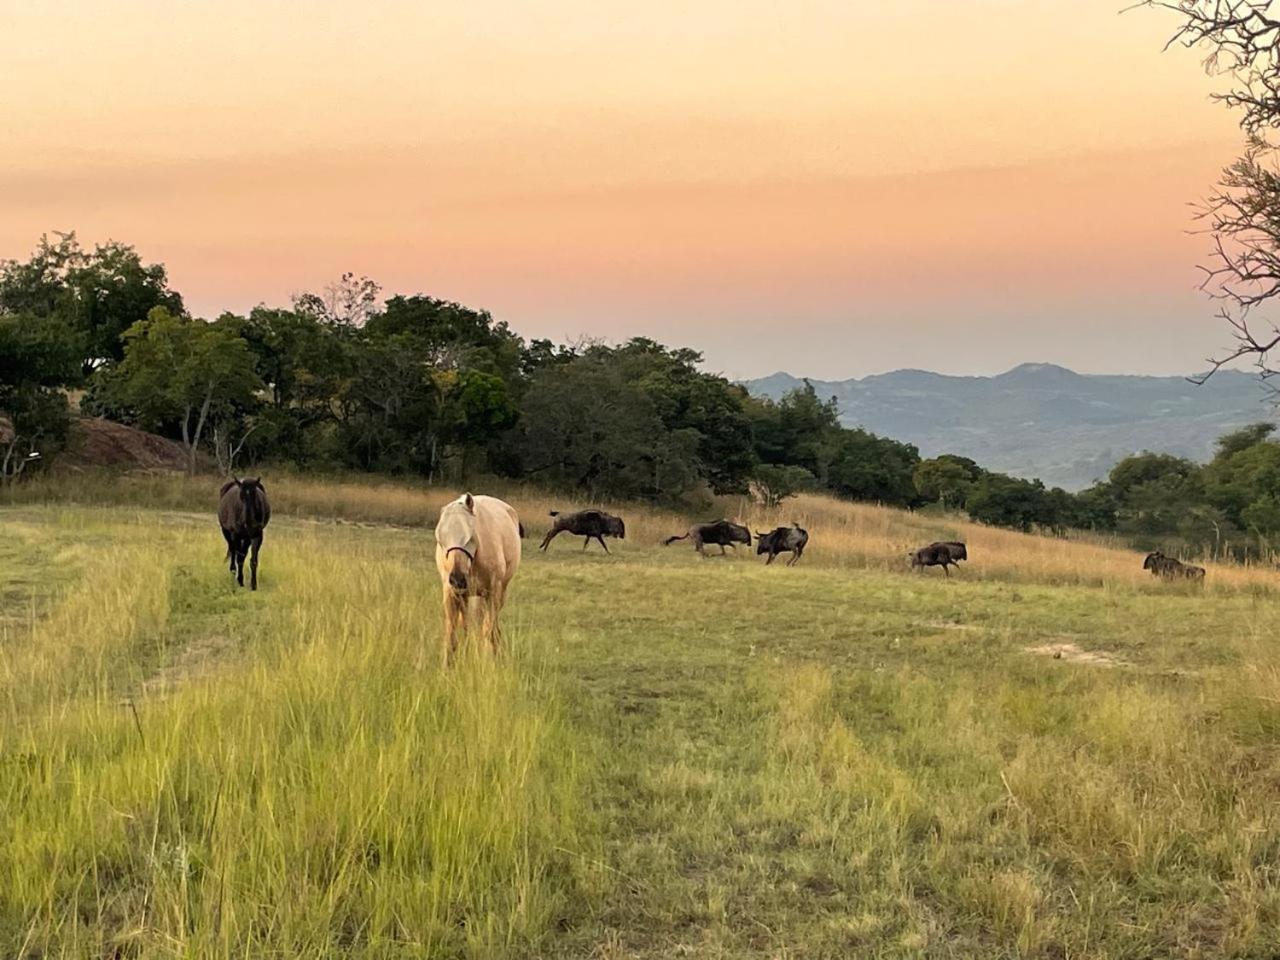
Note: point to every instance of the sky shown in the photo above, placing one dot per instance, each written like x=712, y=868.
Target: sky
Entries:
x=830, y=188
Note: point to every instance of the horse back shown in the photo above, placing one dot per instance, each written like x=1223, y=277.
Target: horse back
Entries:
x=498, y=536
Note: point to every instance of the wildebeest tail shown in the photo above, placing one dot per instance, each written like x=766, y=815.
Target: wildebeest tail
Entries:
x=670, y=540
x=520, y=527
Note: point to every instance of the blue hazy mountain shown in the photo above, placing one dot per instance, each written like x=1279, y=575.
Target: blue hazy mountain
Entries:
x=1042, y=420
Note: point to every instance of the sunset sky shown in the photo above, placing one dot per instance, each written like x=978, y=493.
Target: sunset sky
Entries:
x=831, y=188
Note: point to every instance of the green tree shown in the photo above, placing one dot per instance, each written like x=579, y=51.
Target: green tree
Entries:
x=38, y=357
x=867, y=467
x=95, y=294
x=181, y=371
x=946, y=479
x=799, y=429
x=773, y=484
x=1007, y=501
x=585, y=427
x=1243, y=475
x=688, y=399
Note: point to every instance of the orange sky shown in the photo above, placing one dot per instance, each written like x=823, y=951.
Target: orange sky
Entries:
x=831, y=188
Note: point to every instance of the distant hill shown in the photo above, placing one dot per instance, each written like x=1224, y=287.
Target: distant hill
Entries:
x=1042, y=420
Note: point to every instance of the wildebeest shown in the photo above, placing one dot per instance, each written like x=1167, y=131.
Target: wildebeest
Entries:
x=722, y=533
x=243, y=512
x=941, y=553
x=1171, y=568
x=477, y=553
x=781, y=539
x=588, y=524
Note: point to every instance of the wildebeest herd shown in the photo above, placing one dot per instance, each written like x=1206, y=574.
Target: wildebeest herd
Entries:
x=478, y=549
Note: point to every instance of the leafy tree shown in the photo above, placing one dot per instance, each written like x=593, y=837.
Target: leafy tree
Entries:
x=773, y=484
x=867, y=467
x=96, y=295
x=1095, y=508
x=688, y=399
x=1243, y=476
x=306, y=364
x=799, y=429
x=1011, y=502
x=1144, y=468
x=586, y=427
x=37, y=358
x=390, y=409
x=946, y=479
x=181, y=371
x=449, y=336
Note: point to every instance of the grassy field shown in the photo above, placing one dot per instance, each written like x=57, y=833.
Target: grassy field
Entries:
x=675, y=757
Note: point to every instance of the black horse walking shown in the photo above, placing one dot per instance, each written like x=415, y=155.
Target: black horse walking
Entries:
x=243, y=511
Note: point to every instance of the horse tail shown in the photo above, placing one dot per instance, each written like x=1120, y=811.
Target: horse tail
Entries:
x=520, y=527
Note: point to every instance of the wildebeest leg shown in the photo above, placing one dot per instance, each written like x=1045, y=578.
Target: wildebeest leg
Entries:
x=231, y=550
x=946, y=569
x=586, y=542
x=795, y=555
x=255, y=545
x=697, y=545
x=602, y=543
x=770, y=560
x=722, y=553
x=551, y=535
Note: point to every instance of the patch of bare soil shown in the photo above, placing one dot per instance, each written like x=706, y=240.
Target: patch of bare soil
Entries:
x=1069, y=651
x=95, y=442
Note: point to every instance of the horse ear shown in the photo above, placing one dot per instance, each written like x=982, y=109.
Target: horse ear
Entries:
x=470, y=502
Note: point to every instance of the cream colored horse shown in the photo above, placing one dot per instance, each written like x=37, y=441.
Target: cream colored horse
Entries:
x=477, y=553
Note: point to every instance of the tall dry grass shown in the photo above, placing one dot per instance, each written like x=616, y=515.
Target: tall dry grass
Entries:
x=291, y=783
x=842, y=534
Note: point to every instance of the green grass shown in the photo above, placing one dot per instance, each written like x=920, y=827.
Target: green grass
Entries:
x=674, y=757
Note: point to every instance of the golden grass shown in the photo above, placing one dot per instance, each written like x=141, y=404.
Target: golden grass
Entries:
x=674, y=757
x=842, y=534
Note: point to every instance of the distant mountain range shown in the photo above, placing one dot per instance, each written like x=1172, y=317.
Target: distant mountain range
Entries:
x=1042, y=420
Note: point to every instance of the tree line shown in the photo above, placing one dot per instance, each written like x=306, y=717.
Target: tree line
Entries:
x=422, y=386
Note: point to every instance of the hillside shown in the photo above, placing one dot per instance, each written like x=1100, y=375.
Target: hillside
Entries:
x=1042, y=420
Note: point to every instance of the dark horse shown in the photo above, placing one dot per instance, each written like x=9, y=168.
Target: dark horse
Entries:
x=242, y=513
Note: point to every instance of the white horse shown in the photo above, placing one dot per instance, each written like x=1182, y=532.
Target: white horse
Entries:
x=477, y=553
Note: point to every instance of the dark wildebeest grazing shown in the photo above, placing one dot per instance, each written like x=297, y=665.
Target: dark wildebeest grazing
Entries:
x=243, y=511
x=780, y=540
x=1170, y=568
x=588, y=524
x=942, y=553
x=477, y=554
x=722, y=533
